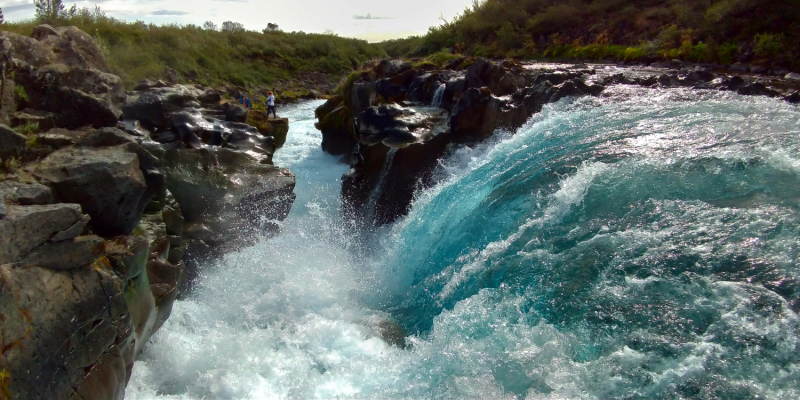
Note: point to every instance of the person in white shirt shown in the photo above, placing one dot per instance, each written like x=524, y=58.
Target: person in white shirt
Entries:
x=271, y=104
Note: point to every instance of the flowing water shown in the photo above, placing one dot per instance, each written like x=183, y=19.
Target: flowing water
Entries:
x=640, y=245
x=438, y=95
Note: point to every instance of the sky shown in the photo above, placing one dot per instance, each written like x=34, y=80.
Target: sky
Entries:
x=373, y=20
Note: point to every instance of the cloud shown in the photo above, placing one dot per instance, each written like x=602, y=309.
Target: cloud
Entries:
x=18, y=6
x=368, y=16
x=169, y=12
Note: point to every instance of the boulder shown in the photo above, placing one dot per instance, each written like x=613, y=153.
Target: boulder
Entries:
x=147, y=109
x=56, y=139
x=326, y=108
x=107, y=182
x=43, y=120
x=700, y=76
x=210, y=96
x=79, y=319
x=133, y=127
x=757, y=89
x=11, y=143
x=106, y=137
x=24, y=228
x=475, y=115
x=392, y=67
x=792, y=76
x=64, y=255
x=385, y=124
x=25, y=194
x=338, y=137
x=77, y=96
x=152, y=108
x=196, y=180
x=236, y=113
x=66, y=74
x=280, y=130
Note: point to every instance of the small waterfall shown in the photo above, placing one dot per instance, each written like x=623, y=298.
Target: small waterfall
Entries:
x=376, y=192
x=437, y=96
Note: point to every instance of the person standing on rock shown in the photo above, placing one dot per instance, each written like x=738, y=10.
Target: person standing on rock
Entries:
x=271, y=104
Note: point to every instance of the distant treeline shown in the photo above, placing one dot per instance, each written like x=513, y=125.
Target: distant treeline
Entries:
x=760, y=32
x=138, y=50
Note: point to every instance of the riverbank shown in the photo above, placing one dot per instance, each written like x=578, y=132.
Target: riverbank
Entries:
x=109, y=201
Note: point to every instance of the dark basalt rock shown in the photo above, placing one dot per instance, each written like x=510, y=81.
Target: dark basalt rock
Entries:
x=92, y=302
x=147, y=109
x=236, y=114
x=11, y=143
x=107, y=182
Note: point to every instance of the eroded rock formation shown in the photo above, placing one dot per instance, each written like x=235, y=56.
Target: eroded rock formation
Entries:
x=105, y=198
x=396, y=121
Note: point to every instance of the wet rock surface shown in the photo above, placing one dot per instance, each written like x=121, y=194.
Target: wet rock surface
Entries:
x=110, y=206
x=391, y=158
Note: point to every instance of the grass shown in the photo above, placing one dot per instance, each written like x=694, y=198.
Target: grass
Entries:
x=28, y=129
x=137, y=50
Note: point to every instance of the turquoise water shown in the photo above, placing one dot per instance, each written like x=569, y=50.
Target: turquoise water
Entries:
x=639, y=245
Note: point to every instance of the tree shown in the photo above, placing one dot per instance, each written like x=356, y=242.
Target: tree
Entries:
x=2, y=19
x=272, y=27
x=49, y=10
x=230, y=26
x=209, y=26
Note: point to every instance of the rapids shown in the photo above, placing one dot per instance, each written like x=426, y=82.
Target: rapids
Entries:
x=642, y=244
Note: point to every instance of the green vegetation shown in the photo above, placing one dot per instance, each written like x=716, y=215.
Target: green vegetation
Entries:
x=139, y=50
x=21, y=93
x=761, y=32
x=10, y=165
x=29, y=130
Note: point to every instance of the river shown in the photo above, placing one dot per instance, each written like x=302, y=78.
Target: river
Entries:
x=641, y=244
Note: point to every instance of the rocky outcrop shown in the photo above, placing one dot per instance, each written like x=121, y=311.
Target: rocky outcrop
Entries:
x=385, y=119
x=63, y=72
x=105, y=213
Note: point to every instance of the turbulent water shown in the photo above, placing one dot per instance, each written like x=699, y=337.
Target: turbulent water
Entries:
x=644, y=244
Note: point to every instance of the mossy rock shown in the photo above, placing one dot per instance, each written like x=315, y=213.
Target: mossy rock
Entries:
x=275, y=127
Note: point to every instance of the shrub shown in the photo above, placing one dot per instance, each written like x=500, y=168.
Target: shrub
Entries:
x=726, y=52
x=769, y=45
x=443, y=57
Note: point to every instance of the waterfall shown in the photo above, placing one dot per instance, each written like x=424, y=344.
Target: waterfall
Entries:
x=375, y=195
x=437, y=96
x=641, y=244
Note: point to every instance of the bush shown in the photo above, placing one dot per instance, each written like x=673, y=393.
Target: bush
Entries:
x=768, y=45
x=443, y=57
x=687, y=29
x=726, y=52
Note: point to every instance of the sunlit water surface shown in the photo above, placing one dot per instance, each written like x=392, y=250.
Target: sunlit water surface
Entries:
x=643, y=244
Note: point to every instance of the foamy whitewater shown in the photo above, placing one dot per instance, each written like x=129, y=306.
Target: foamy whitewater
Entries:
x=640, y=245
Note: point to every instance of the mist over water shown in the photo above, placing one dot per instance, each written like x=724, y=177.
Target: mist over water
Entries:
x=644, y=244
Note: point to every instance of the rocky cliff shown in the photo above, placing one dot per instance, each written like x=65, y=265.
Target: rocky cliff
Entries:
x=108, y=201
x=395, y=122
